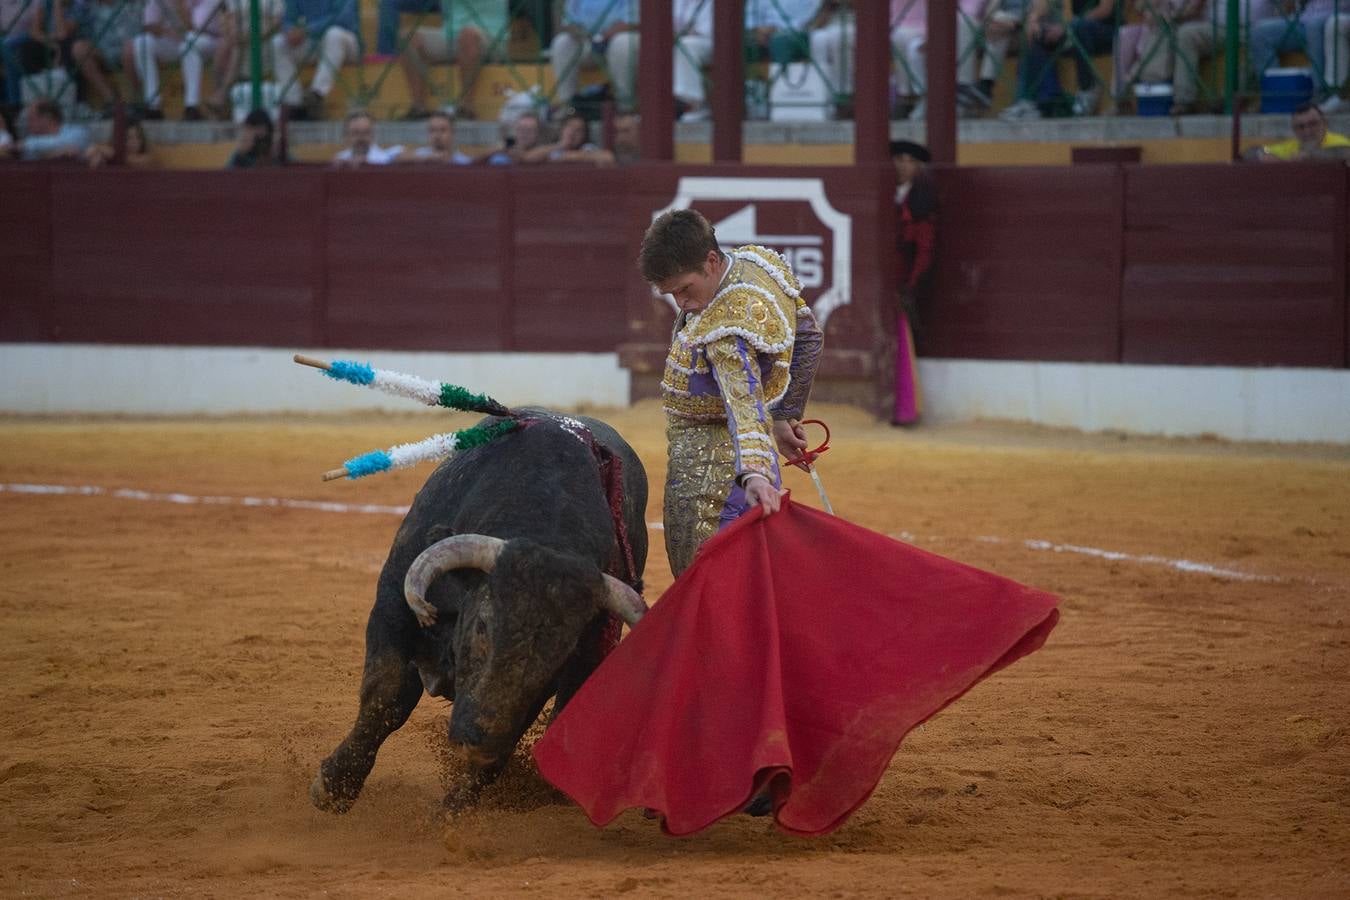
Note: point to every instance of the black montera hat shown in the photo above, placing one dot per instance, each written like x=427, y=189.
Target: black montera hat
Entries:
x=918, y=151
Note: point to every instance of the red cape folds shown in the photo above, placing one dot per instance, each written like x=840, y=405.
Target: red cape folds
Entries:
x=797, y=651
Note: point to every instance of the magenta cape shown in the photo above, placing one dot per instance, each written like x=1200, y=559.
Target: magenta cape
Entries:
x=796, y=652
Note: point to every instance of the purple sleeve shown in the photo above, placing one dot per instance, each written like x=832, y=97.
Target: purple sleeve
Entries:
x=806, y=347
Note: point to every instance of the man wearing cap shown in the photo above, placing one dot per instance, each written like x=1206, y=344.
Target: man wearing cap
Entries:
x=915, y=213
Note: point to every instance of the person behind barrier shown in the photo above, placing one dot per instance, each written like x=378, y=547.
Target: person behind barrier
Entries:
x=1311, y=140
x=915, y=221
x=1336, y=52
x=48, y=136
x=591, y=31
x=257, y=144
x=526, y=131
x=43, y=48
x=573, y=146
x=470, y=31
x=742, y=358
x=189, y=29
x=361, y=149
x=777, y=29
x=324, y=31
x=440, y=146
x=138, y=155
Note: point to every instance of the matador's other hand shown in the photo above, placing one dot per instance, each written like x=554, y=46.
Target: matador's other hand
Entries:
x=790, y=437
x=759, y=491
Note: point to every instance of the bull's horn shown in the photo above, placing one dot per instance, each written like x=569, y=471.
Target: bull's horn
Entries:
x=623, y=601
x=459, y=551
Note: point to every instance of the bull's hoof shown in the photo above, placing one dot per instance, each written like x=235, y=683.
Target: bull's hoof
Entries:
x=326, y=800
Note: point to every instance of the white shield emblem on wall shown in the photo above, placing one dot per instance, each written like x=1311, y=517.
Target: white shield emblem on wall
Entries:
x=789, y=215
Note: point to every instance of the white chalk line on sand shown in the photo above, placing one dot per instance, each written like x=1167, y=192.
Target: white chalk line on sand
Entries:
x=1181, y=565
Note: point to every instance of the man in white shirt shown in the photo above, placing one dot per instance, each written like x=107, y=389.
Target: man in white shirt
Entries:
x=361, y=147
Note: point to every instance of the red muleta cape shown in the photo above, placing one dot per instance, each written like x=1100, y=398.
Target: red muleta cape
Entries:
x=797, y=652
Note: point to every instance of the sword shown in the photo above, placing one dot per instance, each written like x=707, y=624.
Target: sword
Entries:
x=804, y=462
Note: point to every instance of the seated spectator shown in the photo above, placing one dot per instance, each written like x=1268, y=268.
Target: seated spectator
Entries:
x=590, y=31
x=1295, y=25
x=17, y=18
x=361, y=147
x=104, y=28
x=1090, y=33
x=833, y=36
x=1197, y=39
x=1143, y=51
x=44, y=42
x=257, y=144
x=1336, y=51
x=1002, y=21
x=777, y=29
x=440, y=148
x=572, y=146
x=627, y=146
x=6, y=140
x=170, y=30
x=235, y=35
x=1311, y=139
x=970, y=100
x=138, y=155
x=468, y=29
x=48, y=136
x=692, y=23
x=323, y=30
x=524, y=138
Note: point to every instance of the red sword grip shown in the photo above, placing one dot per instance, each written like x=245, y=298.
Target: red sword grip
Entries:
x=807, y=457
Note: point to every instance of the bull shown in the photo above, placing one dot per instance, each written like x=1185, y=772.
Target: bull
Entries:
x=495, y=596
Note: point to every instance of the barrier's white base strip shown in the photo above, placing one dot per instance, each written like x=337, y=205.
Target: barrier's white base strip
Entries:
x=1181, y=565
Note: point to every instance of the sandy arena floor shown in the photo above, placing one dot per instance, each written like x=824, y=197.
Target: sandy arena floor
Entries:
x=174, y=671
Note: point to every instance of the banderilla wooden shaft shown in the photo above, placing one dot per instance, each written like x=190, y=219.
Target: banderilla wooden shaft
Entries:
x=335, y=474
x=311, y=361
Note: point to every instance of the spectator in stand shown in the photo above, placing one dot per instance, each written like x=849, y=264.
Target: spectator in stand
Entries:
x=692, y=22
x=257, y=145
x=236, y=33
x=165, y=37
x=1090, y=33
x=778, y=29
x=909, y=33
x=45, y=43
x=913, y=43
x=1143, y=53
x=104, y=28
x=833, y=36
x=572, y=146
x=138, y=151
x=1002, y=24
x=915, y=211
x=324, y=30
x=524, y=138
x=361, y=148
x=48, y=136
x=208, y=26
x=1311, y=140
x=17, y=18
x=627, y=139
x=468, y=29
x=1336, y=51
x=440, y=147
x=6, y=139
x=592, y=30
x=1297, y=25
x=1197, y=39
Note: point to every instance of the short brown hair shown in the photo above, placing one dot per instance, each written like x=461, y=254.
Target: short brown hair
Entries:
x=677, y=242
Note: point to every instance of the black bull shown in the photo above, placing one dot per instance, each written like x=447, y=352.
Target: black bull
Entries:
x=508, y=632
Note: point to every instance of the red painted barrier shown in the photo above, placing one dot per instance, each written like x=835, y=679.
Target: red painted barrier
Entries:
x=1216, y=265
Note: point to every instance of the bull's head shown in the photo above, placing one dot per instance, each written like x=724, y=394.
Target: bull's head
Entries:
x=512, y=635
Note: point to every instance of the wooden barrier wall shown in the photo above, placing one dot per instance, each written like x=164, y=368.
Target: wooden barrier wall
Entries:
x=1213, y=265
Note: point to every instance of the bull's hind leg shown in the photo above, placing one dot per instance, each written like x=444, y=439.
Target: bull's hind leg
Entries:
x=390, y=689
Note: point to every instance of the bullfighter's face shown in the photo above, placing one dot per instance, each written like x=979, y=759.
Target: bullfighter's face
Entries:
x=693, y=291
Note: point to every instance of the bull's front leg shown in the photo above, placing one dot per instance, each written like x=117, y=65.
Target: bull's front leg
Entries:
x=390, y=689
